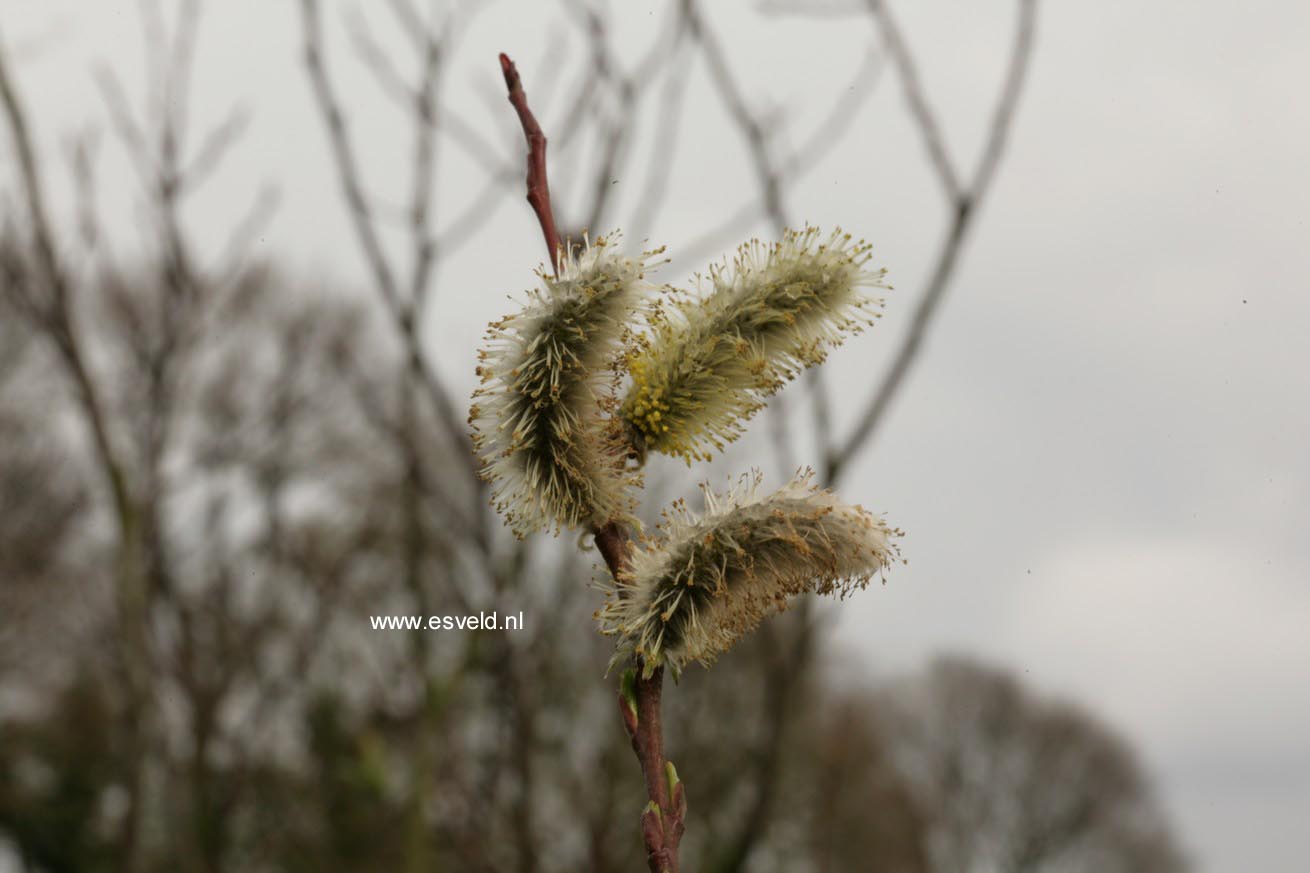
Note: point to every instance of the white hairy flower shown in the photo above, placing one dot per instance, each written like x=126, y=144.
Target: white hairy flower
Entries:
x=538, y=417
x=703, y=582
x=714, y=356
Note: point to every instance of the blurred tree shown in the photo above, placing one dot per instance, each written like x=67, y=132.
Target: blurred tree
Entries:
x=1005, y=780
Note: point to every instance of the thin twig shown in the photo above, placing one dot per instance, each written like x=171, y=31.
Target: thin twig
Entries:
x=400, y=309
x=822, y=139
x=924, y=117
x=426, y=123
x=656, y=187
x=538, y=186
x=751, y=125
x=965, y=205
x=56, y=282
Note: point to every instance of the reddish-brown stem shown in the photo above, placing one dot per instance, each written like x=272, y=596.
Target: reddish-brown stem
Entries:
x=661, y=827
x=538, y=188
x=663, y=820
x=612, y=543
x=662, y=823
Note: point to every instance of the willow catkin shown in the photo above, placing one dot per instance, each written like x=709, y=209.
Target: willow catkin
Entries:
x=538, y=417
x=713, y=357
x=703, y=582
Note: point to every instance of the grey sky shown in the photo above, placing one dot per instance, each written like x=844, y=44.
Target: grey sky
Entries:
x=1101, y=462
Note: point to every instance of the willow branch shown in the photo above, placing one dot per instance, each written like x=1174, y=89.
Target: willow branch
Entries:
x=662, y=821
x=538, y=187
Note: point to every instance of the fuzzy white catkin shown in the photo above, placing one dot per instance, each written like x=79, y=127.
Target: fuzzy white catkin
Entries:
x=538, y=417
x=713, y=357
x=705, y=581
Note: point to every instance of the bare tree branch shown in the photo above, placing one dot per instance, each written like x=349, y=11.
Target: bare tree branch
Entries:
x=401, y=310
x=924, y=117
x=813, y=149
x=214, y=147
x=752, y=127
x=655, y=191
x=965, y=205
x=63, y=332
x=55, y=281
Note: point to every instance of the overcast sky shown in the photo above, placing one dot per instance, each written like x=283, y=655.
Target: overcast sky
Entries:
x=1101, y=462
